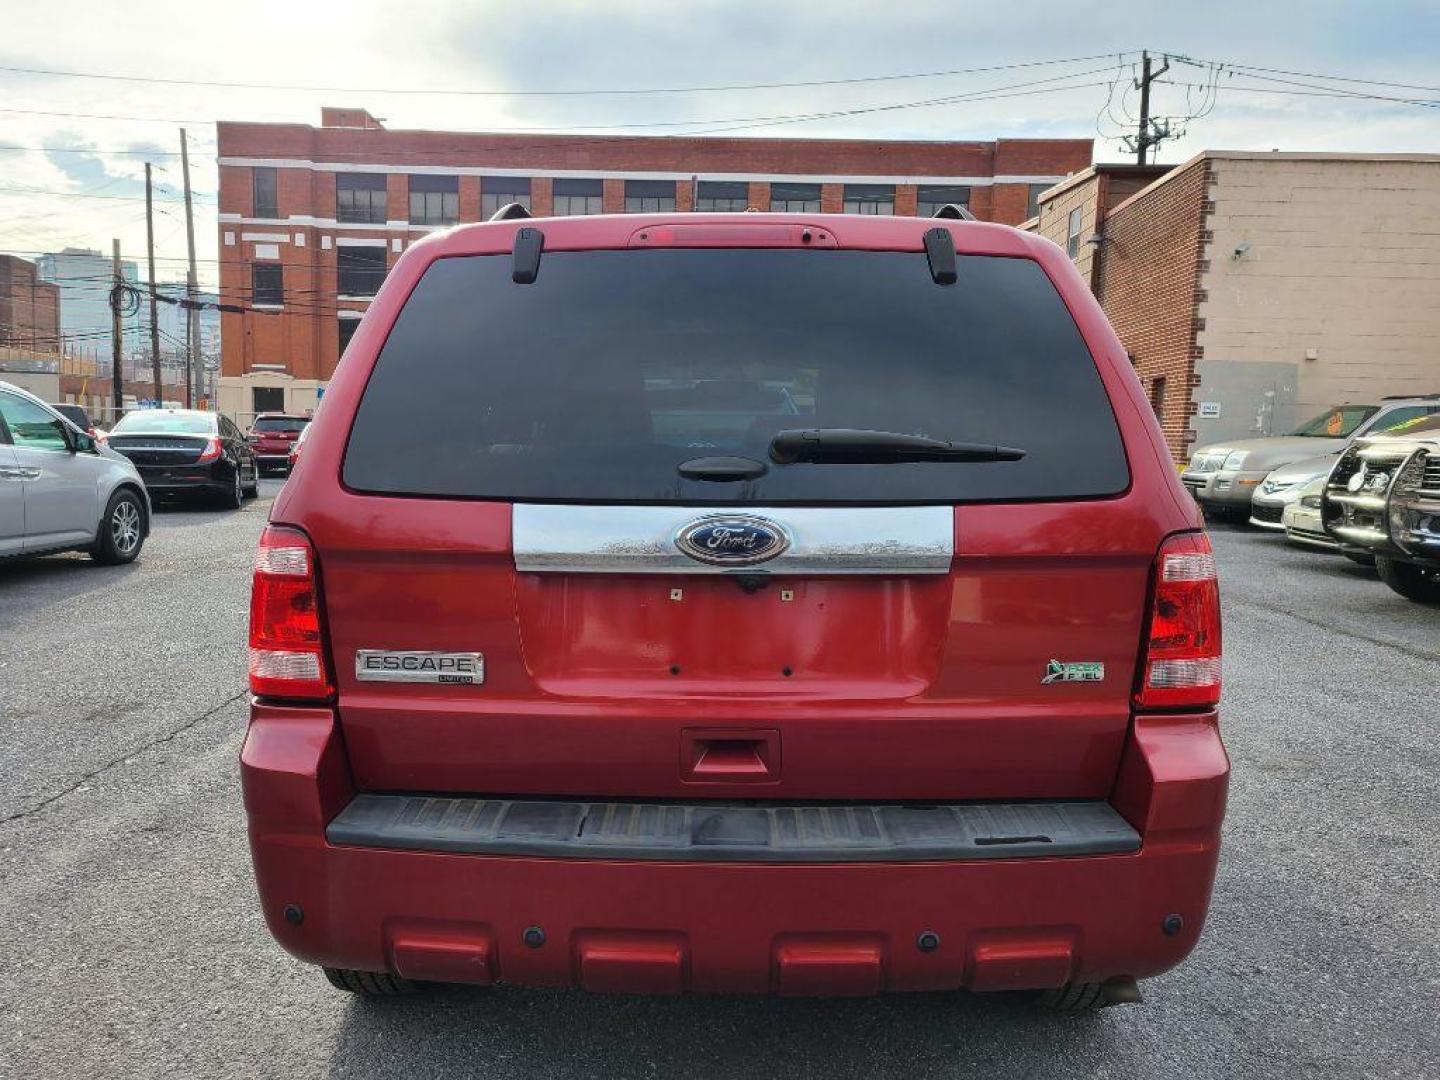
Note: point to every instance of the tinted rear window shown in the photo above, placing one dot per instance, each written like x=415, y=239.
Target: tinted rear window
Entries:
x=155, y=422
x=279, y=423
x=594, y=383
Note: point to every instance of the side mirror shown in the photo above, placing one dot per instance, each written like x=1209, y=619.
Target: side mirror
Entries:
x=81, y=443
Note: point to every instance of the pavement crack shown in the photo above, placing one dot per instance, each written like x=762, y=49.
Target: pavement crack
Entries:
x=1334, y=628
x=94, y=774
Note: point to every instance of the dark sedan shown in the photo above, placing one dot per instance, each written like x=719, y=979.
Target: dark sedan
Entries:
x=188, y=452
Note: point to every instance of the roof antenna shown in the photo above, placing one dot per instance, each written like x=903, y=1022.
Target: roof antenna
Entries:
x=525, y=256
x=940, y=250
x=510, y=211
x=955, y=211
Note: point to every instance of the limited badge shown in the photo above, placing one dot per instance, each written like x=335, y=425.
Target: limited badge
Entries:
x=383, y=665
x=1074, y=671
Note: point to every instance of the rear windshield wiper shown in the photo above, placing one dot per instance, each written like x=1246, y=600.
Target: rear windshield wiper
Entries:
x=853, y=446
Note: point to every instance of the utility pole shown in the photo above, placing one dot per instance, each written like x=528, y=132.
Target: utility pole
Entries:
x=154, y=315
x=117, y=345
x=193, y=358
x=1145, y=137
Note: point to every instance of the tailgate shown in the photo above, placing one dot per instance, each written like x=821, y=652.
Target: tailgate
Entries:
x=611, y=670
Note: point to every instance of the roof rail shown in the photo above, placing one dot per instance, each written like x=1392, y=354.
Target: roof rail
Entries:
x=954, y=211
x=1411, y=397
x=509, y=212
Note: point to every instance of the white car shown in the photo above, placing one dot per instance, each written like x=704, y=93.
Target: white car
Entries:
x=61, y=490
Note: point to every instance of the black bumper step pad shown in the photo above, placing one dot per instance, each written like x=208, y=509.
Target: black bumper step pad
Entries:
x=733, y=832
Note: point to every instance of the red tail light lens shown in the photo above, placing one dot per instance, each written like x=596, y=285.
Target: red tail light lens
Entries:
x=211, y=451
x=1182, y=653
x=287, y=646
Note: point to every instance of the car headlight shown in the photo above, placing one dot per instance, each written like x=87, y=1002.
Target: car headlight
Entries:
x=1311, y=502
x=1234, y=459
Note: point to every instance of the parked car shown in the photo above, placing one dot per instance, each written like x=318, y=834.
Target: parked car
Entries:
x=1383, y=499
x=1282, y=487
x=912, y=685
x=294, y=455
x=1223, y=477
x=77, y=415
x=60, y=490
x=1301, y=518
x=185, y=452
x=272, y=437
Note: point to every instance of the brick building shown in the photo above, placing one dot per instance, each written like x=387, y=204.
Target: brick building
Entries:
x=1266, y=286
x=311, y=218
x=29, y=307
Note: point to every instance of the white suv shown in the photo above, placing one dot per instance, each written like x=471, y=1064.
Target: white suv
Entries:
x=60, y=490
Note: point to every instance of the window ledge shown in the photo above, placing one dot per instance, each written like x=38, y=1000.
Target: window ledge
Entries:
x=359, y=299
x=267, y=307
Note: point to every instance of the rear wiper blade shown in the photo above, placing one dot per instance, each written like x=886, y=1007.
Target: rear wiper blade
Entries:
x=854, y=446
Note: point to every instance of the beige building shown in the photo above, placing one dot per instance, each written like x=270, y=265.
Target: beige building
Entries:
x=1254, y=290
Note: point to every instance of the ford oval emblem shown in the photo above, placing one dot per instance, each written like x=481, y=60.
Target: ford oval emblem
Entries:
x=740, y=540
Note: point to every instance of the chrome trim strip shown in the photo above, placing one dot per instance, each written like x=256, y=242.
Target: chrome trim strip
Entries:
x=823, y=540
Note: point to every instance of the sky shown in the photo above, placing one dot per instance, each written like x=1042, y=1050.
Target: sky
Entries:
x=78, y=181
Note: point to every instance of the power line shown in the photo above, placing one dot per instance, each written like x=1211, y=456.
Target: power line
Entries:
x=592, y=92
x=1197, y=62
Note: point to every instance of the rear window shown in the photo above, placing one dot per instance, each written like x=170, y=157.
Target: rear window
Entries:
x=596, y=381
x=154, y=422
x=280, y=423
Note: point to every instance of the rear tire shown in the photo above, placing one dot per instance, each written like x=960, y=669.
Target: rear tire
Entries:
x=1073, y=998
x=122, y=530
x=235, y=497
x=253, y=491
x=1412, y=582
x=369, y=983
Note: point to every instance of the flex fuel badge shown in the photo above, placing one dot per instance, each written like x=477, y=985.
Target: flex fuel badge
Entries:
x=1074, y=671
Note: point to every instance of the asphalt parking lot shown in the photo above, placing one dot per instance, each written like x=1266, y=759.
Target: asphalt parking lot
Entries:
x=131, y=945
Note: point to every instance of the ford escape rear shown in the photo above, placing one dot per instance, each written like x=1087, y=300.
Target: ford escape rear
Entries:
x=804, y=605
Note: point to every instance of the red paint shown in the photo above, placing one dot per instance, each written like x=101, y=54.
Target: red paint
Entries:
x=904, y=688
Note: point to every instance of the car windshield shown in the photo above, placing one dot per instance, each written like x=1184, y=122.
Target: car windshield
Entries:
x=597, y=382
x=155, y=422
x=280, y=423
x=1337, y=423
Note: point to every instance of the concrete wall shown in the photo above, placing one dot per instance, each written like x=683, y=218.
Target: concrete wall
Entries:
x=1339, y=258
x=1253, y=399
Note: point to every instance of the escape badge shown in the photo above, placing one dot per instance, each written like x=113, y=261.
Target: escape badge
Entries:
x=1074, y=671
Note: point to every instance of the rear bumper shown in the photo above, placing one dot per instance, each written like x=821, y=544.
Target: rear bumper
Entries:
x=662, y=925
x=177, y=479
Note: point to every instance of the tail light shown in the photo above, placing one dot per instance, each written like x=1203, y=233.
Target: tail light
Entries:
x=287, y=646
x=1182, y=651
x=211, y=452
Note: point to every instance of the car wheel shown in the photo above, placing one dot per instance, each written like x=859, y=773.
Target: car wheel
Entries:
x=369, y=983
x=122, y=530
x=1412, y=582
x=254, y=489
x=1073, y=997
x=235, y=497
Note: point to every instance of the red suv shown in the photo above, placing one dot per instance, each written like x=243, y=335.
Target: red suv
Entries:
x=272, y=437
x=797, y=604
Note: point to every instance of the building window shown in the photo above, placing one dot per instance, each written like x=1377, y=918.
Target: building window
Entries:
x=577, y=197
x=498, y=191
x=361, y=269
x=795, y=198
x=930, y=199
x=1072, y=234
x=869, y=199
x=1032, y=201
x=434, y=200
x=267, y=285
x=649, y=196
x=713, y=196
x=347, y=331
x=1157, y=396
x=264, y=187
x=360, y=197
